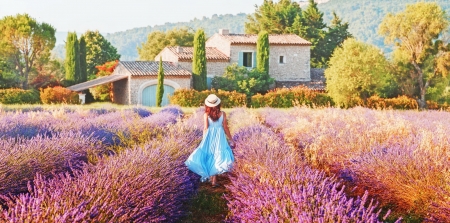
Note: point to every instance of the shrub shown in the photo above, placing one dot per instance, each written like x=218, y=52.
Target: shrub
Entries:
x=401, y=102
x=289, y=97
x=59, y=95
x=19, y=96
x=193, y=98
x=242, y=80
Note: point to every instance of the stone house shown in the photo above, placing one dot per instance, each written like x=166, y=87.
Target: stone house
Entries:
x=134, y=82
x=289, y=55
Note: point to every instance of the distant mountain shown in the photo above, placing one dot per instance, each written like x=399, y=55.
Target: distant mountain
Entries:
x=127, y=42
x=364, y=17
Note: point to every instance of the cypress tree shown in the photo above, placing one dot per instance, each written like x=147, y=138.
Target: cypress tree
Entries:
x=160, y=86
x=262, y=52
x=83, y=67
x=72, y=63
x=199, y=61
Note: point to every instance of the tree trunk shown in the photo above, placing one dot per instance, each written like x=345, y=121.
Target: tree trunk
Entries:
x=423, y=87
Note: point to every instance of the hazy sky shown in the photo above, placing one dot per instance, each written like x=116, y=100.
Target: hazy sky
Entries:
x=112, y=15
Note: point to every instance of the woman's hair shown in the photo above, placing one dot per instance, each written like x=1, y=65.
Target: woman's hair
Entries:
x=213, y=112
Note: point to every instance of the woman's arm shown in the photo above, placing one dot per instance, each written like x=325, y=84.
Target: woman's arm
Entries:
x=225, y=127
x=205, y=123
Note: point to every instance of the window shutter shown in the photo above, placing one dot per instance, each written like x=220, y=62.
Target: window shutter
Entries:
x=241, y=59
x=254, y=59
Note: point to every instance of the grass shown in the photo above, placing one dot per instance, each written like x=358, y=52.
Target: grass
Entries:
x=209, y=205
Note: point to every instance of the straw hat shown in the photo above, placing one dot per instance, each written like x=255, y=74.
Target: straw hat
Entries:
x=212, y=100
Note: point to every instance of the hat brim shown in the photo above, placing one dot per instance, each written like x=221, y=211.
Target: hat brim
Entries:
x=212, y=104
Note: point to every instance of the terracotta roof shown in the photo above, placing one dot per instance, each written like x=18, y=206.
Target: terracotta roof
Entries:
x=96, y=82
x=136, y=68
x=150, y=68
x=275, y=39
x=212, y=54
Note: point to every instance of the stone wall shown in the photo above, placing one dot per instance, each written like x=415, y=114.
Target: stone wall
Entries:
x=220, y=43
x=139, y=83
x=167, y=55
x=296, y=65
x=121, y=92
x=296, y=58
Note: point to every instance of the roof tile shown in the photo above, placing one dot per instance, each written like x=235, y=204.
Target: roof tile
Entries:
x=150, y=68
x=276, y=39
x=212, y=54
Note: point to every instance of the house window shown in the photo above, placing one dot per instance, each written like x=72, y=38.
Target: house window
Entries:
x=282, y=60
x=248, y=59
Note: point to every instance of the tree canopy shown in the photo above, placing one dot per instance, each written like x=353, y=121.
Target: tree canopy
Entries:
x=356, y=71
x=72, y=62
x=262, y=53
x=25, y=41
x=286, y=16
x=157, y=40
x=199, y=61
x=160, y=86
x=275, y=18
x=98, y=51
x=417, y=34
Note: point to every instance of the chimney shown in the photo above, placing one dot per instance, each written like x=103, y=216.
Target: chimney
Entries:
x=224, y=31
x=179, y=49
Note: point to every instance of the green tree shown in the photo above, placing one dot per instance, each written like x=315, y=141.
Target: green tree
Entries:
x=416, y=32
x=83, y=65
x=337, y=33
x=242, y=80
x=72, y=61
x=158, y=40
x=262, y=53
x=160, y=86
x=24, y=40
x=8, y=76
x=313, y=31
x=199, y=61
x=275, y=18
x=356, y=71
x=98, y=52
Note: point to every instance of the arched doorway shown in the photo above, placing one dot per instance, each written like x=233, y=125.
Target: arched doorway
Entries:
x=149, y=95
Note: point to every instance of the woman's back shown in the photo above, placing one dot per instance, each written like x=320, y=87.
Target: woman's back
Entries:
x=217, y=123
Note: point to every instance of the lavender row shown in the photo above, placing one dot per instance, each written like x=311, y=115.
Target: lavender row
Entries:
x=21, y=159
x=401, y=157
x=144, y=184
x=271, y=183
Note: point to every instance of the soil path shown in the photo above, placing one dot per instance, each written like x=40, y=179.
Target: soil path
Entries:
x=209, y=205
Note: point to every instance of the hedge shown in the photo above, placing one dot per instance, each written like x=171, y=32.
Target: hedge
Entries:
x=401, y=102
x=19, y=96
x=290, y=97
x=193, y=98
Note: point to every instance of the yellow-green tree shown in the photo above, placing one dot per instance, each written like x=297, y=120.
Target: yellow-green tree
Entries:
x=417, y=34
x=356, y=71
x=25, y=41
x=157, y=40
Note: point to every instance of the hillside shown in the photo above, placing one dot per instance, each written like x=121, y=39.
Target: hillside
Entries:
x=364, y=17
x=127, y=41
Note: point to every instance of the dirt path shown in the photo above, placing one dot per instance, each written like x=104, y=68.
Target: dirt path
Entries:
x=209, y=206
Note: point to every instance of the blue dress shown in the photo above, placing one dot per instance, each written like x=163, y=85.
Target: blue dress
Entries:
x=213, y=156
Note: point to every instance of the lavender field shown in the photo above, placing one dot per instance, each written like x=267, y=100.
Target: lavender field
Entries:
x=296, y=165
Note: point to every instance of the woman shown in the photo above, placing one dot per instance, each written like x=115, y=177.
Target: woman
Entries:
x=213, y=156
